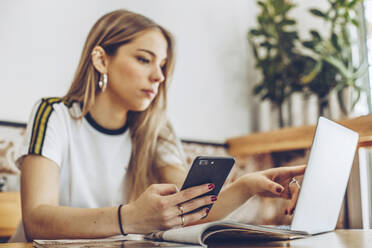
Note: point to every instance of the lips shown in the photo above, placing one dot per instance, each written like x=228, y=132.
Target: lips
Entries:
x=149, y=92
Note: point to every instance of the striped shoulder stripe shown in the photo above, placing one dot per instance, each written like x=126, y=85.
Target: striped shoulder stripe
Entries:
x=40, y=123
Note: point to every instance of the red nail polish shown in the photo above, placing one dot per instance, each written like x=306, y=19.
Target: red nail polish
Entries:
x=207, y=211
x=292, y=211
x=279, y=190
x=214, y=198
x=211, y=186
x=286, y=212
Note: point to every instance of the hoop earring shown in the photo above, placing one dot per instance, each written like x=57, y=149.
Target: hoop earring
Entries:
x=103, y=83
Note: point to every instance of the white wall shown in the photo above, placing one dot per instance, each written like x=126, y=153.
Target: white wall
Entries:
x=210, y=98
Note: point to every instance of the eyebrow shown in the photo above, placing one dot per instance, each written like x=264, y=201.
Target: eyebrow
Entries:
x=149, y=52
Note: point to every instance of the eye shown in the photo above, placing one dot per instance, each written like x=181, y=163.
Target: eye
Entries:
x=143, y=60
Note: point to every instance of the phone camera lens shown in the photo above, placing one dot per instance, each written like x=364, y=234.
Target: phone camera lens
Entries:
x=203, y=162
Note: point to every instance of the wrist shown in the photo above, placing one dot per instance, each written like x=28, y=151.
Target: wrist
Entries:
x=126, y=222
x=247, y=186
x=120, y=220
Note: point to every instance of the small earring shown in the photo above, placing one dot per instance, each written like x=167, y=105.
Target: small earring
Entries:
x=103, y=83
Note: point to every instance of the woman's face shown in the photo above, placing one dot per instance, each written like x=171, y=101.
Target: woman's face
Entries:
x=135, y=72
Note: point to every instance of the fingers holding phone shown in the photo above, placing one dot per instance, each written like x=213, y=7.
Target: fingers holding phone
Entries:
x=192, y=204
x=163, y=206
x=208, y=171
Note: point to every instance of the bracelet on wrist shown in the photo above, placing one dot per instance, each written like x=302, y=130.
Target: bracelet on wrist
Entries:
x=119, y=219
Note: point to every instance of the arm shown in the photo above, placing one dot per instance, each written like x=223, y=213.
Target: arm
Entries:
x=42, y=216
x=271, y=183
x=155, y=209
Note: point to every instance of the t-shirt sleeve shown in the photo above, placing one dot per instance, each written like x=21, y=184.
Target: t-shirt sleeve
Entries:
x=45, y=133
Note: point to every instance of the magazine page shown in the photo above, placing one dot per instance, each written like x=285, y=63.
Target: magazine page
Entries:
x=225, y=230
x=131, y=240
x=78, y=241
x=190, y=234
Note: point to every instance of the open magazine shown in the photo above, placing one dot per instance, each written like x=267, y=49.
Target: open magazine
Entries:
x=225, y=231
x=129, y=241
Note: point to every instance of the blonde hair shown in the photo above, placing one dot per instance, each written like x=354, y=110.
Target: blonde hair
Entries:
x=110, y=32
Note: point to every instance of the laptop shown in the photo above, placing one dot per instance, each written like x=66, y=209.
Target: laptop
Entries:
x=325, y=179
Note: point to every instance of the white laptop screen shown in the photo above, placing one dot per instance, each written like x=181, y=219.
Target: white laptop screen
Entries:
x=325, y=180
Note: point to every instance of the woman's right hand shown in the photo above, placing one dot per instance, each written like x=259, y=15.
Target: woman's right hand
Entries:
x=158, y=208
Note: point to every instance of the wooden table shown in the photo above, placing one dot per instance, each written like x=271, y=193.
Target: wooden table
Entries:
x=338, y=239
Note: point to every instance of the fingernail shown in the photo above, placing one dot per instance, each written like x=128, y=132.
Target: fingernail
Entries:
x=286, y=212
x=214, y=198
x=211, y=186
x=279, y=190
x=292, y=211
x=206, y=213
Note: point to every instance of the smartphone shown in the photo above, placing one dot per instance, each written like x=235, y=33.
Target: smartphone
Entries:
x=208, y=170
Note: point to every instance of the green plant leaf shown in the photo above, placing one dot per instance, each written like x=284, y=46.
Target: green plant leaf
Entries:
x=313, y=73
x=352, y=4
x=288, y=7
x=315, y=34
x=334, y=40
x=308, y=44
x=355, y=22
x=262, y=4
x=288, y=22
x=266, y=44
x=264, y=20
x=256, y=32
x=341, y=2
x=319, y=13
x=257, y=90
x=290, y=35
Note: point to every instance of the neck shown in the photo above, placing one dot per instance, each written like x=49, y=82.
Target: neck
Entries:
x=108, y=113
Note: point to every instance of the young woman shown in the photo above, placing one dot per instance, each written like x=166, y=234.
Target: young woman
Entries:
x=103, y=160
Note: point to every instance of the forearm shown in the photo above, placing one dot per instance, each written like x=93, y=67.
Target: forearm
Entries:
x=230, y=198
x=55, y=222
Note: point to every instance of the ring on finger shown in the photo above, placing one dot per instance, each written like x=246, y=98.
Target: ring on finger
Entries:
x=294, y=180
x=182, y=220
x=181, y=209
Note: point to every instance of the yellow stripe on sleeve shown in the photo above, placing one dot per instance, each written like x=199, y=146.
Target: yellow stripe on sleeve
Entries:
x=39, y=128
x=41, y=133
x=36, y=124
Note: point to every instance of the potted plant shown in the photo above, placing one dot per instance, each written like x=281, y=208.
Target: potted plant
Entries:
x=274, y=48
x=333, y=67
x=286, y=69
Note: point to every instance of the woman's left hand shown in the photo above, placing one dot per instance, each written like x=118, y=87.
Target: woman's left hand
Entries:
x=276, y=183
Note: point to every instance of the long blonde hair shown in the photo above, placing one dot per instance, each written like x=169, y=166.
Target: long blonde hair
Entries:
x=110, y=32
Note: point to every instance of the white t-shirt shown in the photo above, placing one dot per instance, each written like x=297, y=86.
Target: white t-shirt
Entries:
x=92, y=160
x=88, y=155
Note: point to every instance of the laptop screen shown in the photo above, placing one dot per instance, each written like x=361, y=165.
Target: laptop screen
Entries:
x=326, y=177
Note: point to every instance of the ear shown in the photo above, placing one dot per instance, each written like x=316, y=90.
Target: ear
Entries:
x=99, y=59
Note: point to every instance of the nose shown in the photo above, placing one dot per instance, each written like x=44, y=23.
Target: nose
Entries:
x=157, y=75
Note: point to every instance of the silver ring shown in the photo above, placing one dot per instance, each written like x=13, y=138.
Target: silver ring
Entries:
x=181, y=209
x=294, y=180
x=182, y=221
